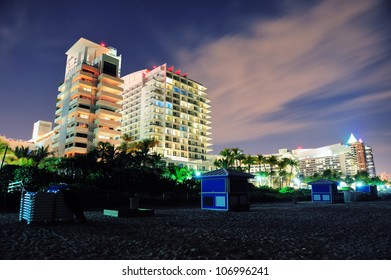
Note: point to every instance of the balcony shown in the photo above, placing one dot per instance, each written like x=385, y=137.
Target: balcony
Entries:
x=76, y=140
x=109, y=88
x=106, y=132
x=111, y=141
x=79, y=110
x=81, y=83
x=57, y=120
x=110, y=79
x=75, y=150
x=109, y=96
x=76, y=129
x=108, y=104
x=105, y=122
x=76, y=119
x=58, y=111
x=79, y=100
x=86, y=74
x=103, y=113
x=81, y=92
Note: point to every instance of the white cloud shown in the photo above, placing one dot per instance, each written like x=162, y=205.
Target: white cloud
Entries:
x=282, y=60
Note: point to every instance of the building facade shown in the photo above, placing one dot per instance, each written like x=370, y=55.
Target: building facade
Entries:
x=363, y=155
x=88, y=105
x=168, y=106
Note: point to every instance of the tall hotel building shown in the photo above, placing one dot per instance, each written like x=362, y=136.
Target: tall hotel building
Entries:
x=348, y=159
x=363, y=155
x=168, y=106
x=89, y=101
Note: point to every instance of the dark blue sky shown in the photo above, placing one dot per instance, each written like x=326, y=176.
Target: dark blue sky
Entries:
x=280, y=74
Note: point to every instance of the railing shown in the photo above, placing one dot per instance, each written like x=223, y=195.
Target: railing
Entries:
x=15, y=186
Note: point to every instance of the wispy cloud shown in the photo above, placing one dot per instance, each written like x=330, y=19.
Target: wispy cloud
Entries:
x=285, y=70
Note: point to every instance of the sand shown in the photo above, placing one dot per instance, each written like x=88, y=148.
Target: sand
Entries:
x=282, y=231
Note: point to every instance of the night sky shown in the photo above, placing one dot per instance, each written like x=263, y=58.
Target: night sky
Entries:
x=280, y=74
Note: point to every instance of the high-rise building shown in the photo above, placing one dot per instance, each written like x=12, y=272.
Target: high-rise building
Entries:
x=88, y=104
x=41, y=128
x=335, y=157
x=363, y=155
x=168, y=106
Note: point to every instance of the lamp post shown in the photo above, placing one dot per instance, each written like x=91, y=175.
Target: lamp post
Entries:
x=5, y=152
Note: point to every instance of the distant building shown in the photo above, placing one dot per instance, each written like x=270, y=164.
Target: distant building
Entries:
x=41, y=128
x=88, y=105
x=363, y=155
x=13, y=143
x=168, y=106
x=335, y=157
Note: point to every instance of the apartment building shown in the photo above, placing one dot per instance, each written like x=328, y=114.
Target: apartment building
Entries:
x=168, y=106
x=89, y=103
x=363, y=155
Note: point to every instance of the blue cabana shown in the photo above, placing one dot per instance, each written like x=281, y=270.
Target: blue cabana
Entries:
x=325, y=191
x=225, y=189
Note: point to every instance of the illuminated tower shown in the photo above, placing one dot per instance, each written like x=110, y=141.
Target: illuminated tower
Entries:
x=88, y=104
x=363, y=155
x=171, y=108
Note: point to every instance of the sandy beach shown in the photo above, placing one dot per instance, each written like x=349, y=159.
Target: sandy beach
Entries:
x=281, y=231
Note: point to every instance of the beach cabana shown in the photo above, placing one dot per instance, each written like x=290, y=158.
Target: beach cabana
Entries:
x=325, y=191
x=225, y=190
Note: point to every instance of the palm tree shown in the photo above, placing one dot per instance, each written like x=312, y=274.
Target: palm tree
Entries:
x=105, y=151
x=41, y=153
x=22, y=152
x=23, y=156
x=260, y=159
x=143, y=149
x=179, y=174
x=249, y=160
x=126, y=146
x=227, y=160
x=292, y=163
x=272, y=161
x=238, y=156
x=282, y=164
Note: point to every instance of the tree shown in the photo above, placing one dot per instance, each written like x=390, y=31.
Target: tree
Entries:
x=22, y=156
x=249, y=160
x=282, y=164
x=39, y=154
x=272, y=161
x=143, y=149
x=293, y=164
x=362, y=176
x=178, y=173
x=228, y=160
x=238, y=156
x=126, y=146
x=260, y=159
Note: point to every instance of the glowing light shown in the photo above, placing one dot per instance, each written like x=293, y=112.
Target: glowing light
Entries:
x=198, y=173
x=359, y=184
x=103, y=44
x=352, y=139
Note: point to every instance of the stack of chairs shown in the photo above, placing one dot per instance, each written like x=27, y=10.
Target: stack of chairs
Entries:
x=44, y=207
x=37, y=207
x=62, y=212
